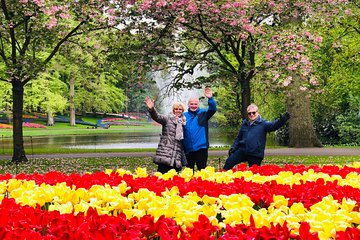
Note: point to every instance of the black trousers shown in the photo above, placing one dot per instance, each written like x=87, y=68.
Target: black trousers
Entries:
x=199, y=157
x=162, y=168
x=240, y=156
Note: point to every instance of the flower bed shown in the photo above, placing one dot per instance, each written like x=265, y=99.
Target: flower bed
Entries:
x=267, y=202
x=33, y=125
x=5, y=126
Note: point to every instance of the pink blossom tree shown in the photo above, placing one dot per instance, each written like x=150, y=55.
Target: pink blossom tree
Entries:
x=236, y=40
x=32, y=32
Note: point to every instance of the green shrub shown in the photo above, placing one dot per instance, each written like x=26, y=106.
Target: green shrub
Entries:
x=348, y=126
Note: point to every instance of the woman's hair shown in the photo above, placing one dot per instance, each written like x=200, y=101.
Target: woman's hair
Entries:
x=178, y=105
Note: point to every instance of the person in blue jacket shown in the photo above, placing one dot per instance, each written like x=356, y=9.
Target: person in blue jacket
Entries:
x=249, y=145
x=196, y=131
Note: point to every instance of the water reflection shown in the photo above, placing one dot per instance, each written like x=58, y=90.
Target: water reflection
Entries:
x=126, y=140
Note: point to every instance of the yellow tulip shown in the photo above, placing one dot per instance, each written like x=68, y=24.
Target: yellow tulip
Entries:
x=141, y=173
x=279, y=201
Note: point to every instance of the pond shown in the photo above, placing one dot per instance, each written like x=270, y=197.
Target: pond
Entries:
x=125, y=140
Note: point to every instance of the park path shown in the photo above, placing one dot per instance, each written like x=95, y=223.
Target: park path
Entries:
x=268, y=152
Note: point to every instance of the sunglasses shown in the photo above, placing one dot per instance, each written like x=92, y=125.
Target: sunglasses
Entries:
x=251, y=113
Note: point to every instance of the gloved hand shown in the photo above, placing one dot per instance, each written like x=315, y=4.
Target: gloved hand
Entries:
x=231, y=151
x=285, y=116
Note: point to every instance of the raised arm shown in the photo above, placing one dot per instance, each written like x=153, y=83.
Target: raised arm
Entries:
x=211, y=102
x=162, y=119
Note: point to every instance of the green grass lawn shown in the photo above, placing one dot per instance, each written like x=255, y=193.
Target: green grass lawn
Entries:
x=66, y=129
x=83, y=165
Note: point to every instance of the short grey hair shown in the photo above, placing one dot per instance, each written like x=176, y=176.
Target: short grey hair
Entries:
x=252, y=106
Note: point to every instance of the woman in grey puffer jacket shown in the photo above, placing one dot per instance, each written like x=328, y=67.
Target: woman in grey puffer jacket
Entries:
x=170, y=152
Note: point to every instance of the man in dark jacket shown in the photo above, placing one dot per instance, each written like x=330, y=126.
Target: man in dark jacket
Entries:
x=249, y=145
x=196, y=136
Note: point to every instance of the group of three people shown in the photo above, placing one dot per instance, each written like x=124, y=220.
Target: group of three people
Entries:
x=184, y=140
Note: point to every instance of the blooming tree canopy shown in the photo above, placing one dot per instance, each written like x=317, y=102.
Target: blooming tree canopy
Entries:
x=235, y=40
x=228, y=35
x=32, y=32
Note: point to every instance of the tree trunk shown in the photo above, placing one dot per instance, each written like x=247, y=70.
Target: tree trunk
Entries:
x=245, y=97
x=301, y=131
x=18, y=140
x=72, y=102
x=50, y=119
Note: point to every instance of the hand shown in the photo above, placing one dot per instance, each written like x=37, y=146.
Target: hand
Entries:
x=208, y=92
x=285, y=116
x=149, y=102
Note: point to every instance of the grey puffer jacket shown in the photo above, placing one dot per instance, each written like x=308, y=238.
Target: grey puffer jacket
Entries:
x=170, y=151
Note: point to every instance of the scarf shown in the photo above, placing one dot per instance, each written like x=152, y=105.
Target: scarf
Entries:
x=179, y=133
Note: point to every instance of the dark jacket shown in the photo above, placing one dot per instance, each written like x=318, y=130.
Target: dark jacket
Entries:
x=196, y=130
x=252, y=137
x=170, y=151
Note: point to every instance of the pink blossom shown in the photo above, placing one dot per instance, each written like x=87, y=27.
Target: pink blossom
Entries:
x=192, y=8
x=275, y=37
x=111, y=11
x=23, y=1
x=161, y=3
x=300, y=47
x=291, y=37
x=307, y=34
x=276, y=77
x=215, y=11
x=249, y=28
x=242, y=36
x=269, y=56
x=146, y=5
x=28, y=13
x=241, y=4
x=292, y=67
x=287, y=81
x=181, y=20
x=234, y=23
x=348, y=12
x=226, y=6
x=297, y=56
x=65, y=16
x=302, y=88
x=271, y=4
x=52, y=23
x=54, y=9
x=305, y=60
x=314, y=82
x=277, y=51
x=316, y=47
x=40, y=3
x=318, y=39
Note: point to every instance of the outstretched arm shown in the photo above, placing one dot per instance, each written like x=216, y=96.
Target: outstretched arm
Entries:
x=278, y=123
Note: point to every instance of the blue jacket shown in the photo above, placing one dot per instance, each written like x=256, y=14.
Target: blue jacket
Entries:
x=252, y=137
x=196, y=130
